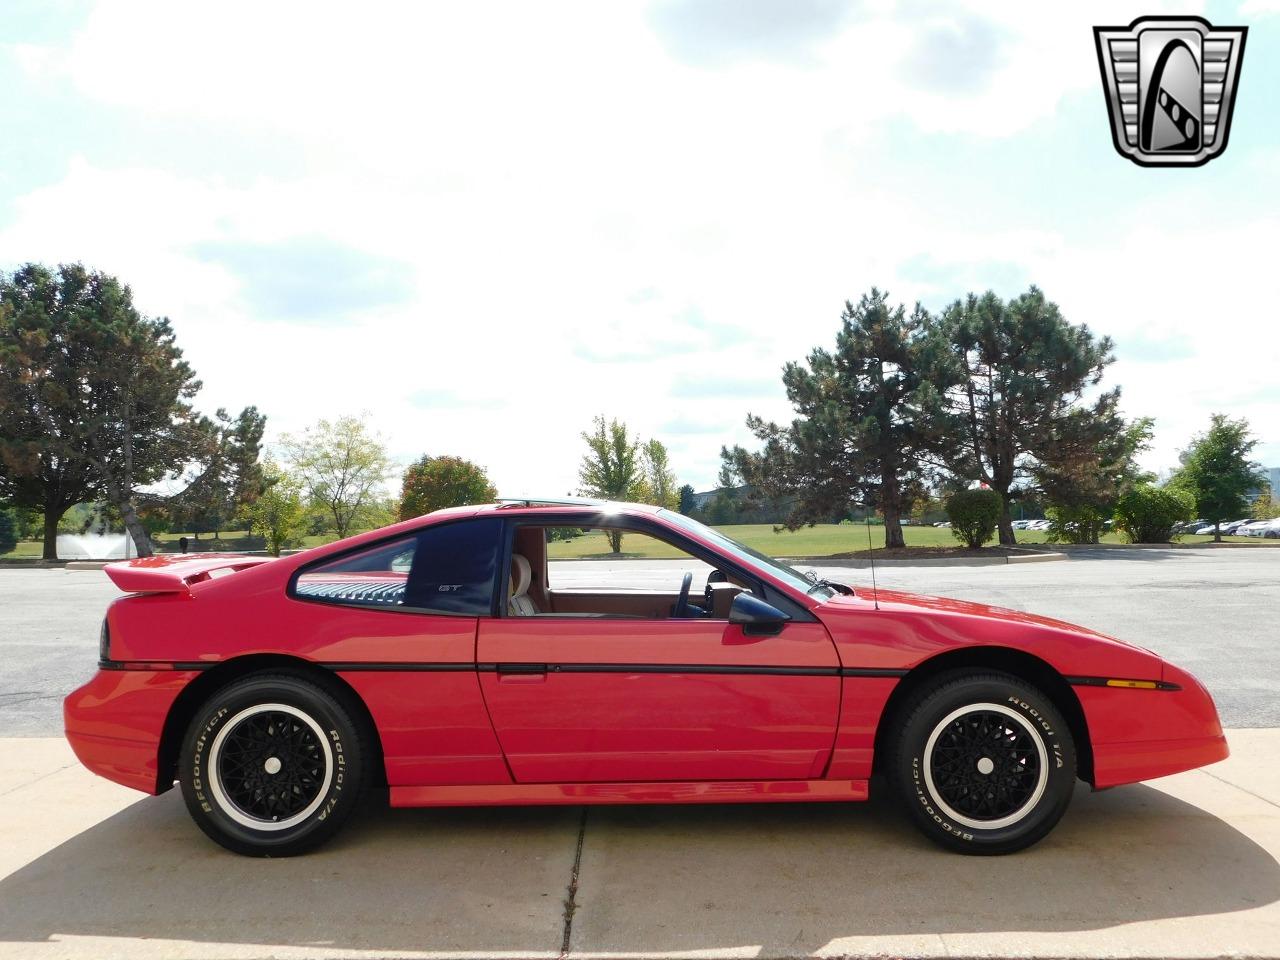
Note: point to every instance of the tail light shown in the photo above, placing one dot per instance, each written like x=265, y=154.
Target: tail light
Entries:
x=104, y=642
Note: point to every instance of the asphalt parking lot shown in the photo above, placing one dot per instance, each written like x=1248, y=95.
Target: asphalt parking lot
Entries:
x=1214, y=612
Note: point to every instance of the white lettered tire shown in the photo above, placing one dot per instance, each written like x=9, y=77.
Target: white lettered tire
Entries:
x=984, y=762
x=271, y=765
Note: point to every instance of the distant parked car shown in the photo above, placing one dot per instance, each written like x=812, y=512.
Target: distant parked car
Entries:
x=1254, y=528
x=1226, y=528
x=1272, y=530
x=943, y=523
x=1021, y=524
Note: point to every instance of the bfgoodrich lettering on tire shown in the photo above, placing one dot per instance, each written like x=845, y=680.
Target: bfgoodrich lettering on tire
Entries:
x=985, y=762
x=271, y=765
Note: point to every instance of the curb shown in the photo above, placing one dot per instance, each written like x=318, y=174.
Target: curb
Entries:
x=88, y=564
x=1210, y=545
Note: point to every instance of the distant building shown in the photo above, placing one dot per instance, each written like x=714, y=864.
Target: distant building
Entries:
x=1273, y=475
x=703, y=500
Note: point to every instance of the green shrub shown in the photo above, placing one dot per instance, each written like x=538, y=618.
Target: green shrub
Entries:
x=974, y=515
x=8, y=530
x=1148, y=514
x=1073, y=524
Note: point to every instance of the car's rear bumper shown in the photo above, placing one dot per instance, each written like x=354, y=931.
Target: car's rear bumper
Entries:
x=1143, y=734
x=114, y=723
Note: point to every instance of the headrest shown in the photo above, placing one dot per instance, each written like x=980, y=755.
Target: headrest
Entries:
x=522, y=575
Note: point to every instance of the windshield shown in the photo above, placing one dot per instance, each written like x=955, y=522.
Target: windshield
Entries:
x=752, y=558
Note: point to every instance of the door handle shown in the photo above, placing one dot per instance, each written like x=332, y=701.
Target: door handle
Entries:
x=521, y=672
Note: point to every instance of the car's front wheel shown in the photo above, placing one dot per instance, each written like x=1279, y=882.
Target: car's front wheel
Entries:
x=984, y=761
x=271, y=765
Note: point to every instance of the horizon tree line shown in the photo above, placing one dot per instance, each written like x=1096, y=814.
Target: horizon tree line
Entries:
x=991, y=393
x=96, y=406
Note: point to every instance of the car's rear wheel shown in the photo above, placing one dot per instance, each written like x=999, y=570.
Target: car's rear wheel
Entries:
x=271, y=765
x=984, y=761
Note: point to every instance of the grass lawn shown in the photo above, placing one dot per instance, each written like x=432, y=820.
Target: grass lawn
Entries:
x=819, y=541
x=24, y=550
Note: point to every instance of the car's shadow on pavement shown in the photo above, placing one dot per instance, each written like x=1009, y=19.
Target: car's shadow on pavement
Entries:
x=786, y=878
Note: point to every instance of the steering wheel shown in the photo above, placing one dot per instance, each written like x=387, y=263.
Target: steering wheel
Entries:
x=682, y=605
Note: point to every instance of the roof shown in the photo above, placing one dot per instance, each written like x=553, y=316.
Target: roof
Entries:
x=550, y=503
x=590, y=503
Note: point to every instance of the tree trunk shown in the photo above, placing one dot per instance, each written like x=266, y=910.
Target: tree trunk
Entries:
x=1007, y=539
x=51, y=519
x=891, y=507
x=137, y=532
x=1217, y=532
x=893, y=529
x=615, y=540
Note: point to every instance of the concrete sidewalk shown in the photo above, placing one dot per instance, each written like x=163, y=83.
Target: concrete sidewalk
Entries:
x=1186, y=867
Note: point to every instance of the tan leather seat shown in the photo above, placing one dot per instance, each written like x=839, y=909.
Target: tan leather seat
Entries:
x=520, y=604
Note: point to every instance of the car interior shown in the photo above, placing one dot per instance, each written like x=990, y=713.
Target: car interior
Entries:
x=697, y=590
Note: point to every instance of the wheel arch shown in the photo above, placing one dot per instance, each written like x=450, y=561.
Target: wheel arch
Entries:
x=1018, y=663
x=215, y=678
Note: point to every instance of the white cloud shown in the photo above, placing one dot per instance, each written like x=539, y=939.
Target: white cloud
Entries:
x=587, y=223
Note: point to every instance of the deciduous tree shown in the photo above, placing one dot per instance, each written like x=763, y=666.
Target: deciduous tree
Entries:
x=1217, y=472
x=343, y=466
x=611, y=468
x=433, y=483
x=657, y=474
x=279, y=512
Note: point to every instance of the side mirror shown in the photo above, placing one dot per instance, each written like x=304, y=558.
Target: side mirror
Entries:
x=757, y=618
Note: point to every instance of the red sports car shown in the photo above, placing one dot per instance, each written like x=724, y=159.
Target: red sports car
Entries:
x=448, y=659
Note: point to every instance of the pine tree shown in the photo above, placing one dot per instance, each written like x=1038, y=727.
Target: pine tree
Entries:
x=871, y=421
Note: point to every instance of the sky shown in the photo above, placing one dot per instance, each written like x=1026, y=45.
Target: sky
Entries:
x=481, y=225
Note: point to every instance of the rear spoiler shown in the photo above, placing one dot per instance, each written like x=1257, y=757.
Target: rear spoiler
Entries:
x=175, y=573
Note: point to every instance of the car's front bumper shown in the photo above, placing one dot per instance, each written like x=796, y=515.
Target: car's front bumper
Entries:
x=1143, y=734
x=114, y=723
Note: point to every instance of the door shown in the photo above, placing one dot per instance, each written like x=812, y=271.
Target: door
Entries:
x=604, y=697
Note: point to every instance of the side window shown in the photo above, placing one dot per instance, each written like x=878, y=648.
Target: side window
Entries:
x=568, y=544
x=449, y=568
x=375, y=577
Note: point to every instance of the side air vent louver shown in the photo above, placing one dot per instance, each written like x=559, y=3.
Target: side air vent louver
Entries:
x=356, y=592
